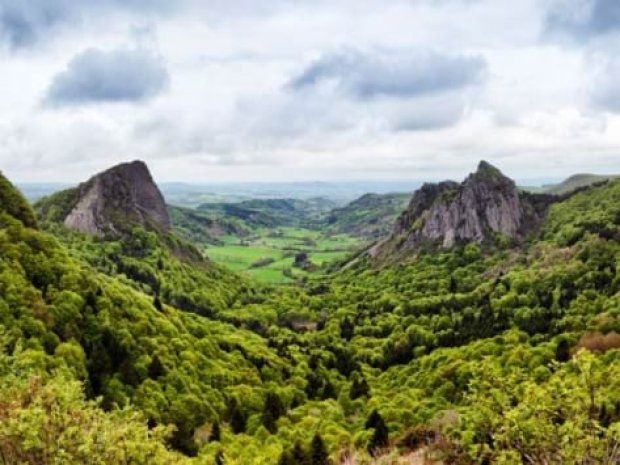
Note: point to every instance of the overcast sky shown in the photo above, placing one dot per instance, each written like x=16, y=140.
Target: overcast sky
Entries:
x=236, y=90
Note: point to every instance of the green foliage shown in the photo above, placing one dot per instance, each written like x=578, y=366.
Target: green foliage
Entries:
x=564, y=420
x=13, y=203
x=46, y=420
x=371, y=216
x=138, y=349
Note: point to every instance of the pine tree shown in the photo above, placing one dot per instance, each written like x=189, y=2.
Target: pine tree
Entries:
x=272, y=410
x=329, y=392
x=215, y=431
x=373, y=420
x=318, y=451
x=346, y=329
x=286, y=458
x=237, y=417
x=157, y=304
x=359, y=388
x=453, y=285
x=380, y=438
x=562, y=351
x=156, y=368
x=300, y=456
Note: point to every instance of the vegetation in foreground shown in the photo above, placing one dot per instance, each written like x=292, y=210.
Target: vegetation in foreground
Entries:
x=119, y=351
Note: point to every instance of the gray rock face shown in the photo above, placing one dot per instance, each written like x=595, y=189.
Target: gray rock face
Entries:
x=118, y=198
x=447, y=213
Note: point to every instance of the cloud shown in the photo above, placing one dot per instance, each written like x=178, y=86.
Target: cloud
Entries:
x=584, y=19
x=605, y=91
x=367, y=76
x=24, y=23
x=108, y=76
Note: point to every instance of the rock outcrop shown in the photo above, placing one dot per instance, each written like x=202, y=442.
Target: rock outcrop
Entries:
x=485, y=206
x=117, y=199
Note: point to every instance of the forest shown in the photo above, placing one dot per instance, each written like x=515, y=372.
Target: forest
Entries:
x=137, y=349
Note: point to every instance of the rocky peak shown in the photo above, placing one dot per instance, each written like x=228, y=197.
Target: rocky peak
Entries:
x=120, y=197
x=485, y=204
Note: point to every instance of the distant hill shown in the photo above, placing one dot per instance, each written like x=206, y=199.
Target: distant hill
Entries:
x=371, y=216
x=577, y=181
x=204, y=227
x=271, y=212
x=208, y=223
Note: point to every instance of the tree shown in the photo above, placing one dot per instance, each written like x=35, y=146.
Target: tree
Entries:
x=300, y=456
x=373, y=420
x=286, y=458
x=237, y=417
x=156, y=368
x=453, y=287
x=272, y=410
x=318, y=451
x=359, y=387
x=379, y=439
x=562, y=351
x=215, y=431
x=295, y=456
x=346, y=328
x=157, y=304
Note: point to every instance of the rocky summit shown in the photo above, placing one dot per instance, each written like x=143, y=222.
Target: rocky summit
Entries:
x=121, y=196
x=487, y=204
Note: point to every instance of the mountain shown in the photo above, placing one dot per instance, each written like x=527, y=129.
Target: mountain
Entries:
x=575, y=182
x=371, y=216
x=14, y=204
x=271, y=212
x=485, y=207
x=205, y=227
x=110, y=202
x=112, y=350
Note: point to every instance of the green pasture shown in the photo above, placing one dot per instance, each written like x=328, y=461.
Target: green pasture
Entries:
x=245, y=254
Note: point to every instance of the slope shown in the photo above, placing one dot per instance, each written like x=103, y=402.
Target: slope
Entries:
x=449, y=351
x=369, y=217
x=575, y=182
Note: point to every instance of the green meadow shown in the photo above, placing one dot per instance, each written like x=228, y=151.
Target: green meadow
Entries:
x=268, y=255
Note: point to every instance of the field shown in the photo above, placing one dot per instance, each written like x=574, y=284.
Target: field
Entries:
x=268, y=255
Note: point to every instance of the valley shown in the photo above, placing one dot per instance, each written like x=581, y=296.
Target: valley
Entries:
x=291, y=232
x=272, y=255
x=228, y=333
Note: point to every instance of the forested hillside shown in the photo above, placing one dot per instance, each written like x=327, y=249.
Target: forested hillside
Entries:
x=133, y=349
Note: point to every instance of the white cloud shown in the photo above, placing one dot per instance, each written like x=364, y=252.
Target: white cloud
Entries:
x=398, y=88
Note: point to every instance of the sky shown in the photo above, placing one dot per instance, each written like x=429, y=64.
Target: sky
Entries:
x=286, y=90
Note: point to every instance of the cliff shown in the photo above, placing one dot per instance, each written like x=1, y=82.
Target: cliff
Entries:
x=110, y=202
x=485, y=206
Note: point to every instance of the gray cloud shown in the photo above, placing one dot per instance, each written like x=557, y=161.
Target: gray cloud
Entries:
x=24, y=23
x=584, y=19
x=108, y=76
x=366, y=75
x=605, y=93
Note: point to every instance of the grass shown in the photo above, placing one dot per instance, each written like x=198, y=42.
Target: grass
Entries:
x=280, y=245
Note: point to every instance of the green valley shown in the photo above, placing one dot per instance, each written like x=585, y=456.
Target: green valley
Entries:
x=269, y=255
x=124, y=344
